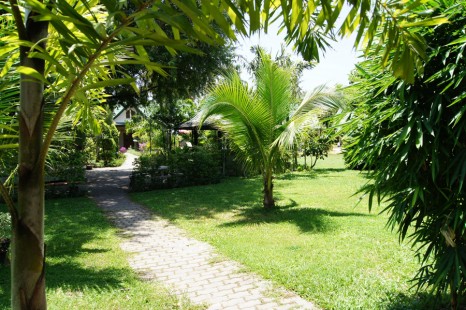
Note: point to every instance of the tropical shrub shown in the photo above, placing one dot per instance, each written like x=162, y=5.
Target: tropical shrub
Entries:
x=315, y=143
x=5, y=237
x=181, y=167
x=107, y=144
x=414, y=135
x=5, y=225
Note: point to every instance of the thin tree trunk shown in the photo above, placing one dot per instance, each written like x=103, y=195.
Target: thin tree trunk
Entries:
x=28, y=249
x=313, y=163
x=453, y=296
x=269, y=202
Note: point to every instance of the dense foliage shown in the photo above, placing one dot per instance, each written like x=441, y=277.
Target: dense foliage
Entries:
x=178, y=168
x=413, y=135
x=315, y=144
x=5, y=225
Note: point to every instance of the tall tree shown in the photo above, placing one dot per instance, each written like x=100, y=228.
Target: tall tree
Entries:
x=260, y=122
x=188, y=74
x=413, y=135
x=72, y=49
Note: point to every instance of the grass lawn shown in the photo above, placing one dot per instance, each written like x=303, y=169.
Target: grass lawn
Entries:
x=86, y=269
x=319, y=243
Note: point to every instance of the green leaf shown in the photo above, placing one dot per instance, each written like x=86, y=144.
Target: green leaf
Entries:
x=32, y=73
x=5, y=136
x=9, y=146
x=107, y=83
x=47, y=57
x=434, y=21
x=79, y=21
x=9, y=64
x=458, y=41
x=419, y=137
x=404, y=134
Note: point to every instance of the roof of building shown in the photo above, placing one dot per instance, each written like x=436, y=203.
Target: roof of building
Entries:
x=193, y=124
x=122, y=109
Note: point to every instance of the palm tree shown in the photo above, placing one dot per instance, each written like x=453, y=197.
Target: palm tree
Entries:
x=260, y=122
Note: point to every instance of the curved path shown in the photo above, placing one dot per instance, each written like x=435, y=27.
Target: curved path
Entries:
x=164, y=253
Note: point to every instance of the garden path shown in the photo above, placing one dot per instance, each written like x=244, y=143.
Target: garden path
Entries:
x=189, y=268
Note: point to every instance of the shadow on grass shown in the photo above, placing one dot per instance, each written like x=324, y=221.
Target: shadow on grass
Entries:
x=243, y=197
x=206, y=201
x=203, y=201
x=312, y=174
x=309, y=220
x=71, y=225
x=401, y=301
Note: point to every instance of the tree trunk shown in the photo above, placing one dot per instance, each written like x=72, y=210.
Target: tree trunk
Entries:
x=28, y=249
x=269, y=202
x=313, y=163
x=453, y=296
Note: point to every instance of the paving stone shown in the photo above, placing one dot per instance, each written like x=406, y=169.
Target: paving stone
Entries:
x=162, y=251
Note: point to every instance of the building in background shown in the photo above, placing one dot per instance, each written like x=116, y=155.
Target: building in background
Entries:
x=121, y=116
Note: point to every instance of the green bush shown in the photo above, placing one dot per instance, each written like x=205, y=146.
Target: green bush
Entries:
x=5, y=225
x=107, y=144
x=64, y=171
x=181, y=167
x=66, y=167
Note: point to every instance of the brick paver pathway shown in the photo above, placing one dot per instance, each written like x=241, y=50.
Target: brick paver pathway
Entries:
x=164, y=253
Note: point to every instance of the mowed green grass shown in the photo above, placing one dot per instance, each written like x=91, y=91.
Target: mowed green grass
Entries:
x=319, y=242
x=86, y=269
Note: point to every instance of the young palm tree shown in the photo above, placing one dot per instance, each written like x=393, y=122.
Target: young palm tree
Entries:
x=260, y=122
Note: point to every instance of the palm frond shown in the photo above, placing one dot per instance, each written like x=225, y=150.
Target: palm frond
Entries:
x=242, y=117
x=317, y=103
x=273, y=87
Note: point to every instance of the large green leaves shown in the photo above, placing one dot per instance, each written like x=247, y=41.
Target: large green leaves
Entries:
x=259, y=122
x=413, y=136
x=252, y=117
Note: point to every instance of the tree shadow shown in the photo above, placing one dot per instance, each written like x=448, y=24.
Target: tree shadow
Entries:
x=70, y=228
x=308, y=220
x=329, y=170
x=312, y=174
x=417, y=300
x=69, y=277
x=71, y=225
x=203, y=201
x=242, y=197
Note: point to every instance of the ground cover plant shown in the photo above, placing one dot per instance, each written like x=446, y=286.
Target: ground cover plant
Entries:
x=86, y=268
x=318, y=242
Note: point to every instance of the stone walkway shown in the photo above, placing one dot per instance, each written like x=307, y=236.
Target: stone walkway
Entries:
x=164, y=253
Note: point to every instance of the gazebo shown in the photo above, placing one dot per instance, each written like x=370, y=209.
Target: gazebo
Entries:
x=193, y=126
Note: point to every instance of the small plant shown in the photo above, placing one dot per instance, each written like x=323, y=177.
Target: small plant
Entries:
x=123, y=150
x=5, y=235
x=5, y=225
